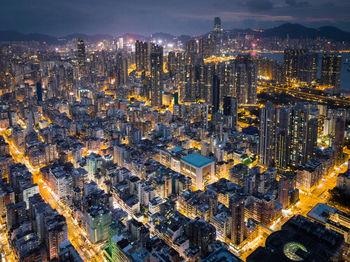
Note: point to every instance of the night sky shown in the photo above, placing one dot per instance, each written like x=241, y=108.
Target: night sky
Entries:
x=60, y=17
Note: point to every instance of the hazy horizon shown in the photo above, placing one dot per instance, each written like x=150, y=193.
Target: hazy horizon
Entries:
x=181, y=17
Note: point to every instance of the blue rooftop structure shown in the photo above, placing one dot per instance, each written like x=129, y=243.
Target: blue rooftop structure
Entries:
x=196, y=160
x=176, y=149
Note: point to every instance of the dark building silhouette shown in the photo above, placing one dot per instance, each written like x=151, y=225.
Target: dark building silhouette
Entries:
x=200, y=234
x=237, y=207
x=339, y=139
x=216, y=94
x=331, y=68
x=300, y=65
x=39, y=92
x=156, y=78
x=141, y=55
x=121, y=69
x=267, y=138
x=207, y=47
x=246, y=79
x=81, y=53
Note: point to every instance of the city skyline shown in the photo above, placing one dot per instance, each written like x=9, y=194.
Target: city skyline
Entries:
x=231, y=145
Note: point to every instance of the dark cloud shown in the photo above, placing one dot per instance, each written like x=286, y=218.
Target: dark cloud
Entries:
x=294, y=3
x=259, y=5
x=59, y=17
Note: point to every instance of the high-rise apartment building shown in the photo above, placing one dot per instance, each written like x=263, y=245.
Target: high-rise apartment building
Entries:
x=267, y=138
x=218, y=32
x=339, y=135
x=282, y=137
x=215, y=94
x=122, y=69
x=237, y=208
x=207, y=47
x=156, y=78
x=227, y=75
x=230, y=110
x=300, y=65
x=303, y=136
x=141, y=55
x=331, y=68
x=191, y=53
x=217, y=24
x=246, y=80
x=81, y=53
x=288, y=136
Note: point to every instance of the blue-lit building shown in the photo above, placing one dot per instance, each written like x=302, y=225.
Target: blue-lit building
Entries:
x=199, y=168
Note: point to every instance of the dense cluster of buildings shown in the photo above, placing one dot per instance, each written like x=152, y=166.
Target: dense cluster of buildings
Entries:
x=147, y=155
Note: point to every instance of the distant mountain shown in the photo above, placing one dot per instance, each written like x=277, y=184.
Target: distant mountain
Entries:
x=6, y=36
x=184, y=38
x=282, y=31
x=129, y=36
x=163, y=36
x=300, y=31
x=290, y=30
x=88, y=38
x=334, y=33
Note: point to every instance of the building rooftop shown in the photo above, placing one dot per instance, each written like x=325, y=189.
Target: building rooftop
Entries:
x=320, y=212
x=222, y=255
x=196, y=160
x=176, y=149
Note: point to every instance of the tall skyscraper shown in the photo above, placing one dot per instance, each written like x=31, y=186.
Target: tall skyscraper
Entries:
x=311, y=138
x=246, y=80
x=81, y=53
x=141, y=55
x=191, y=90
x=331, y=68
x=282, y=137
x=283, y=191
x=215, y=94
x=39, y=92
x=339, y=138
x=271, y=69
x=267, y=136
x=171, y=64
x=218, y=33
x=199, y=82
x=288, y=136
x=122, y=69
x=207, y=47
x=300, y=65
x=191, y=54
x=230, y=109
x=227, y=75
x=217, y=24
x=303, y=136
x=156, y=78
x=237, y=204
x=153, y=48
x=143, y=51
x=298, y=135
x=192, y=47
